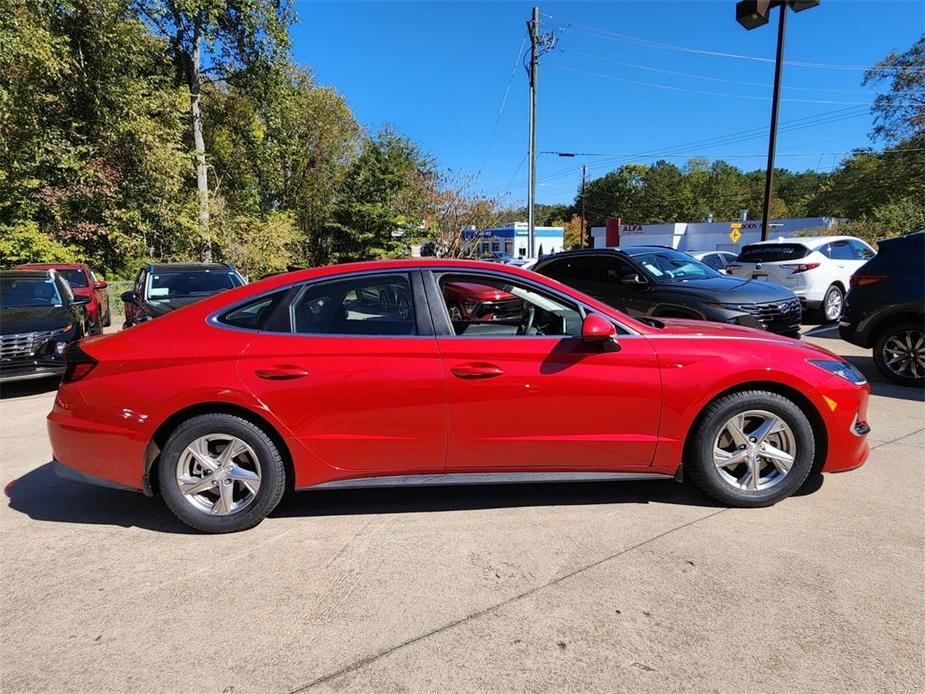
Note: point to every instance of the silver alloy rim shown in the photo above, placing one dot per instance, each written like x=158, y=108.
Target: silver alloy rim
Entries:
x=833, y=304
x=904, y=353
x=754, y=450
x=218, y=474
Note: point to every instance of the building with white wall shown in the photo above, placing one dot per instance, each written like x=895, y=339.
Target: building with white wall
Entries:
x=511, y=238
x=699, y=236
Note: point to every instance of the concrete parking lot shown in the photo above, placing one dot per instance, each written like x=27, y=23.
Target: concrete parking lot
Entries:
x=643, y=586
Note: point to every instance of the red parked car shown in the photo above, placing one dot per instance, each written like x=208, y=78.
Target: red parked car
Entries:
x=83, y=283
x=473, y=301
x=305, y=381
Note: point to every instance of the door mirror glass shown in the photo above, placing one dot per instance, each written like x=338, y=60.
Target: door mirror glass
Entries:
x=596, y=328
x=129, y=297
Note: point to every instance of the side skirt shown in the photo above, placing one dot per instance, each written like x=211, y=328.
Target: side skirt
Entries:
x=457, y=478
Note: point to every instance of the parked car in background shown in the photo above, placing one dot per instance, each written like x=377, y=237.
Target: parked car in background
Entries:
x=164, y=287
x=83, y=282
x=885, y=309
x=718, y=260
x=39, y=318
x=286, y=390
x=664, y=283
x=468, y=301
x=817, y=269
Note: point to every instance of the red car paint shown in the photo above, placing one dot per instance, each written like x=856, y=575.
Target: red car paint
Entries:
x=98, y=308
x=479, y=301
x=397, y=405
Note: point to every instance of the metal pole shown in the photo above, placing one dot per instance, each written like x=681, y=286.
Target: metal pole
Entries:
x=584, y=171
x=533, y=27
x=772, y=138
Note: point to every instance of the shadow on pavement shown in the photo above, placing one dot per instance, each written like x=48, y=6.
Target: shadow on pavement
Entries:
x=880, y=386
x=21, y=389
x=42, y=495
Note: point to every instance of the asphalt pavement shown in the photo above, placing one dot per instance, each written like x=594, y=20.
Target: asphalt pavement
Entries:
x=642, y=586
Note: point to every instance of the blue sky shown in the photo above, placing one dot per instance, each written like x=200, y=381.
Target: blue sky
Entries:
x=628, y=81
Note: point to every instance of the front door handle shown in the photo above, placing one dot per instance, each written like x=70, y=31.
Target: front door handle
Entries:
x=476, y=370
x=283, y=372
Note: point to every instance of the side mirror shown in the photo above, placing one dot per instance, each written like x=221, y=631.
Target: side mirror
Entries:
x=596, y=328
x=101, y=284
x=634, y=280
x=129, y=297
x=80, y=300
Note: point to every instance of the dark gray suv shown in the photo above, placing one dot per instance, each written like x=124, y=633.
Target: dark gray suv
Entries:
x=661, y=282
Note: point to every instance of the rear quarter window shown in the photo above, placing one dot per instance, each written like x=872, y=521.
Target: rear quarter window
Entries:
x=772, y=253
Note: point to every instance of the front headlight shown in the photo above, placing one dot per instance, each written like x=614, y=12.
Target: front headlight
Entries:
x=840, y=368
x=64, y=329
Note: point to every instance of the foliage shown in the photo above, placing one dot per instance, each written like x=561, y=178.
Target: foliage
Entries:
x=25, y=243
x=899, y=113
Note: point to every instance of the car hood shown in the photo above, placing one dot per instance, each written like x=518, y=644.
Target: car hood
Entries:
x=681, y=328
x=478, y=292
x=30, y=319
x=731, y=289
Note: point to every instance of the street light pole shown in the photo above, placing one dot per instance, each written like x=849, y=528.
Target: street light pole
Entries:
x=752, y=14
x=772, y=137
x=584, y=175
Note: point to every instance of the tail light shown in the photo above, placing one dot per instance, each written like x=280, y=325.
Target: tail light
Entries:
x=801, y=267
x=864, y=280
x=77, y=364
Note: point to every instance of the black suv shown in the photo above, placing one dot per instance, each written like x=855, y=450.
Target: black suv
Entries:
x=664, y=283
x=164, y=287
x=39, y=318
x=885, y=308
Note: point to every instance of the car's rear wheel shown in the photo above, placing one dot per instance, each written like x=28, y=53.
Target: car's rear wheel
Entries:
x=751, y=448
x=833, y=304
x=220, y=473
x=900, y=354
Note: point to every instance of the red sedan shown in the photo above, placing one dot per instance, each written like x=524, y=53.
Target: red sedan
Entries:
x=83, y=283
x=303, y=381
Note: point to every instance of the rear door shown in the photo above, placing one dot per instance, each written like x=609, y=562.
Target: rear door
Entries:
x=351, y=366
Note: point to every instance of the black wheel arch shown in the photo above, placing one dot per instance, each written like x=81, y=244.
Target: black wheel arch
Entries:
x=167, y=427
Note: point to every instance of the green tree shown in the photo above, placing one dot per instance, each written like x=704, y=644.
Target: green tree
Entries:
x=899, y=113
x=243, y=40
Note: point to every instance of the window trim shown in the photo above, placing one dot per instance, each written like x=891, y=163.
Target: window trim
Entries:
x=423, y=323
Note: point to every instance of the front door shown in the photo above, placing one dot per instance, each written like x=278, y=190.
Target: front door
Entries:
x=348, y=367
x=529, y=394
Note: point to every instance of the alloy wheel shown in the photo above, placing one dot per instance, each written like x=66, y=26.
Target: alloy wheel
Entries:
x=833, y=304
x=754, y=450
x=218, y=474
x=904, y=353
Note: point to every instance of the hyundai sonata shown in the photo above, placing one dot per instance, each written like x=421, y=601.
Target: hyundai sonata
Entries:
x=358, y=375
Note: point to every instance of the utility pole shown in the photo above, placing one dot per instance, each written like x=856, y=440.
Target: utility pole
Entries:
x=532, y=30
x=584, y=174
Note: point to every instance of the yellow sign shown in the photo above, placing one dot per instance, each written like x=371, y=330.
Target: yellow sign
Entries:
x=736, y=232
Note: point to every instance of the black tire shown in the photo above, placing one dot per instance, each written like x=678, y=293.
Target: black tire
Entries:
x=699, y=451
x=107, y=321
x=272, y=469
x=915, y=330
x=833, y=293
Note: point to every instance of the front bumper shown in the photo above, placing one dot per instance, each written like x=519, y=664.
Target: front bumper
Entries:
x=845, y=416
x=30, y=369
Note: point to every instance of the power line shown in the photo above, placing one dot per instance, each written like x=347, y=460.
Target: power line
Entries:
x=626, y=38
x=507, y=91
x=687, y=90
x=704, y=77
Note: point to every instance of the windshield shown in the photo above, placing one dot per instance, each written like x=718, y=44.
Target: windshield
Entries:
x=171, y=285
x=672, y=266
x=19, y=292
x=772, y=252
x=75, y=278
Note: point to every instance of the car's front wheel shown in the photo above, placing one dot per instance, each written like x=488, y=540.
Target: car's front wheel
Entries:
x=900, y=354
x=221, y=473
x=751, y=448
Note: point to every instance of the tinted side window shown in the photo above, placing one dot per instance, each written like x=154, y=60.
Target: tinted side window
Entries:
x=840, y=250
x=714, y=261
x=372, y=305
x=251, y=316
x=861, y=251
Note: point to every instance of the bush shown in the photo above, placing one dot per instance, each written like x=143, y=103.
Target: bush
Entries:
x=26, y=243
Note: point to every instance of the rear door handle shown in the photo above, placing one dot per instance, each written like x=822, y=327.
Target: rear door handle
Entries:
x=281, y=373
x=476, y=370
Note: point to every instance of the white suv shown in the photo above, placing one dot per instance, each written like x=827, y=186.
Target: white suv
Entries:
x=816, y=269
